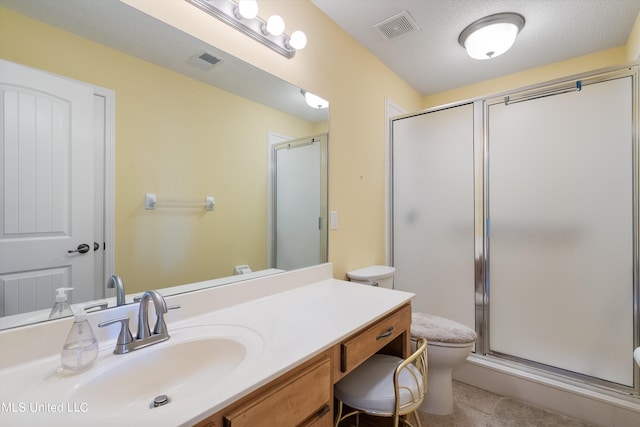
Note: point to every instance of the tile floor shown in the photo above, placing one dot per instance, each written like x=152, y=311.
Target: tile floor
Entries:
x=474, y=407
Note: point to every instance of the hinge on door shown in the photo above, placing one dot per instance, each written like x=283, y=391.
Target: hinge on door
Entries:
x=319, y=223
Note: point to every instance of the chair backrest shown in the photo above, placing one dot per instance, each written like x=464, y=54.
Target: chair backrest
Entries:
x=414, y=370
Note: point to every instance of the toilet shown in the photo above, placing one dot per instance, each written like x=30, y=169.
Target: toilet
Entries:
x=448, y=345
x=448, y=342
x=374, y=275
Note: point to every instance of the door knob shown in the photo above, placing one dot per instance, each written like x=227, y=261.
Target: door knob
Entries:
x=83, y=248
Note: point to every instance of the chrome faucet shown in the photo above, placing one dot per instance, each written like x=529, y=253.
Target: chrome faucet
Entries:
x=160, y=306
x=144, y=337
x=116, y=282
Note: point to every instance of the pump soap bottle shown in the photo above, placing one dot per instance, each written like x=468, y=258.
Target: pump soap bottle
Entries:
x=80, y=348
x=61, y=307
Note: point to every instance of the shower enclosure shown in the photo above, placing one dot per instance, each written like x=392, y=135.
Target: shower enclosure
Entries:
x=518, y=215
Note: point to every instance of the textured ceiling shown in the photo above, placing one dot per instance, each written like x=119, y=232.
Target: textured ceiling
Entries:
x=432, y=61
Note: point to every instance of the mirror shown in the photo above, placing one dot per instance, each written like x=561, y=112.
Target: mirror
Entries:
x=182, y=132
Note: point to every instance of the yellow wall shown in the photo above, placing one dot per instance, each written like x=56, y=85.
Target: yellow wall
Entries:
x=174, y=137
x=581, y=64
x=356, y=83
x=336, y=67
x=633, y=42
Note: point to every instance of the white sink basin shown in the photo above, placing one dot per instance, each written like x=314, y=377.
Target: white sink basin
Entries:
x=195, y=361
x=191, y=361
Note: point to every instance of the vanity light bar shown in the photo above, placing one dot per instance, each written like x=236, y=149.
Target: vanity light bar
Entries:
x=225, y=10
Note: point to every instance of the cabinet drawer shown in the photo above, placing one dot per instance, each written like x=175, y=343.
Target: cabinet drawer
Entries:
x=322, y=418
x=359, y=348
x=289, y=404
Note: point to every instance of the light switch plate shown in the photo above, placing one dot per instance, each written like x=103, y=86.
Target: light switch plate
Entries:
x=333, y=220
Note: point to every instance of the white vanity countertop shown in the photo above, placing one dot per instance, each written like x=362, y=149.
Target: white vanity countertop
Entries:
x=295, y=322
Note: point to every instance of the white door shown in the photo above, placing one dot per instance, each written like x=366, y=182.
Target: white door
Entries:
x=46, y=188
x=300, y=208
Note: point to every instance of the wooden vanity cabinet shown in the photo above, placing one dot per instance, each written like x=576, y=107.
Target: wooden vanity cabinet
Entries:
x=374, y=338
x=303, y=397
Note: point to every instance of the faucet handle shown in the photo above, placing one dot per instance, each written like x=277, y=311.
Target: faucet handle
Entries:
x=161, y=325
x=124, y=337
x=98, y=305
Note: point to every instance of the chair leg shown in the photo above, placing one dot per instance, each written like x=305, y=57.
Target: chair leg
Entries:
x=417, y=417
x=405, y=421
x=339, y=414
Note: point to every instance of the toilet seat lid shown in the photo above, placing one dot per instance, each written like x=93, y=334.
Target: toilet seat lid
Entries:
x=372, y=273
x=439, y=329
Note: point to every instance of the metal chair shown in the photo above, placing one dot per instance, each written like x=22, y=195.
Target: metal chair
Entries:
x=385, y=386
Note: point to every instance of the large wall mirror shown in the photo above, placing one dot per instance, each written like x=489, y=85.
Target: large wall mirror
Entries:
x=190, y=122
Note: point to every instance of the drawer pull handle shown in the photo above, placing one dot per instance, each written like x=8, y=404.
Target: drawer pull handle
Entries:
x=319, y=414
x=386, y=334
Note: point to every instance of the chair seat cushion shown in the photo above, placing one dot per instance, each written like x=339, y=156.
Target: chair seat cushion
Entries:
x=369, y=387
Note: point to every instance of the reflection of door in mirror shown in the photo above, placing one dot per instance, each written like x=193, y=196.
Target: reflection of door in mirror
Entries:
x=46, y=188
x=300, y=206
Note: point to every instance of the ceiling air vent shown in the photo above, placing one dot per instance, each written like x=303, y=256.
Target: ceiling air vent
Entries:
x=204, y=61
x=397, y=26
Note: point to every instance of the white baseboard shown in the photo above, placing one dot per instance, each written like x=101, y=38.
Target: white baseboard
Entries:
x=602, y=409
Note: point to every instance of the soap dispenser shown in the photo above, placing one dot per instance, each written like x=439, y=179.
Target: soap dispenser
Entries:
x=80, y=348
x=61, y=307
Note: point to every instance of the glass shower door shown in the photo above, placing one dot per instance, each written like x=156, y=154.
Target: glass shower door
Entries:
x=433, y=216
x=560, y=209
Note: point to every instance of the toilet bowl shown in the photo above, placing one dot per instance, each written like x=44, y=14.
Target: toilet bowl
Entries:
x=448, y=345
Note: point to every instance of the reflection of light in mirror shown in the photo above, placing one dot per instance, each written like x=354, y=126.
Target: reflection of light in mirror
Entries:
x=314, y=100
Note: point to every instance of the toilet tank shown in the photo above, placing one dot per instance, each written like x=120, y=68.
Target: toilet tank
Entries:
x=376, y=275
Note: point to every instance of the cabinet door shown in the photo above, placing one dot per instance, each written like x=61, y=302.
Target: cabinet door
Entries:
x=292, y=403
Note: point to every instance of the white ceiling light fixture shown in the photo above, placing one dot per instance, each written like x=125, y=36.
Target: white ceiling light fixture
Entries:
x=314, y=101
x=492, y=35
x=243, y=16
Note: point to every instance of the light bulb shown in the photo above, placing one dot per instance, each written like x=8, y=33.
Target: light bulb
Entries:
x=298, y=40
x=275, y=25
x=248, y=9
